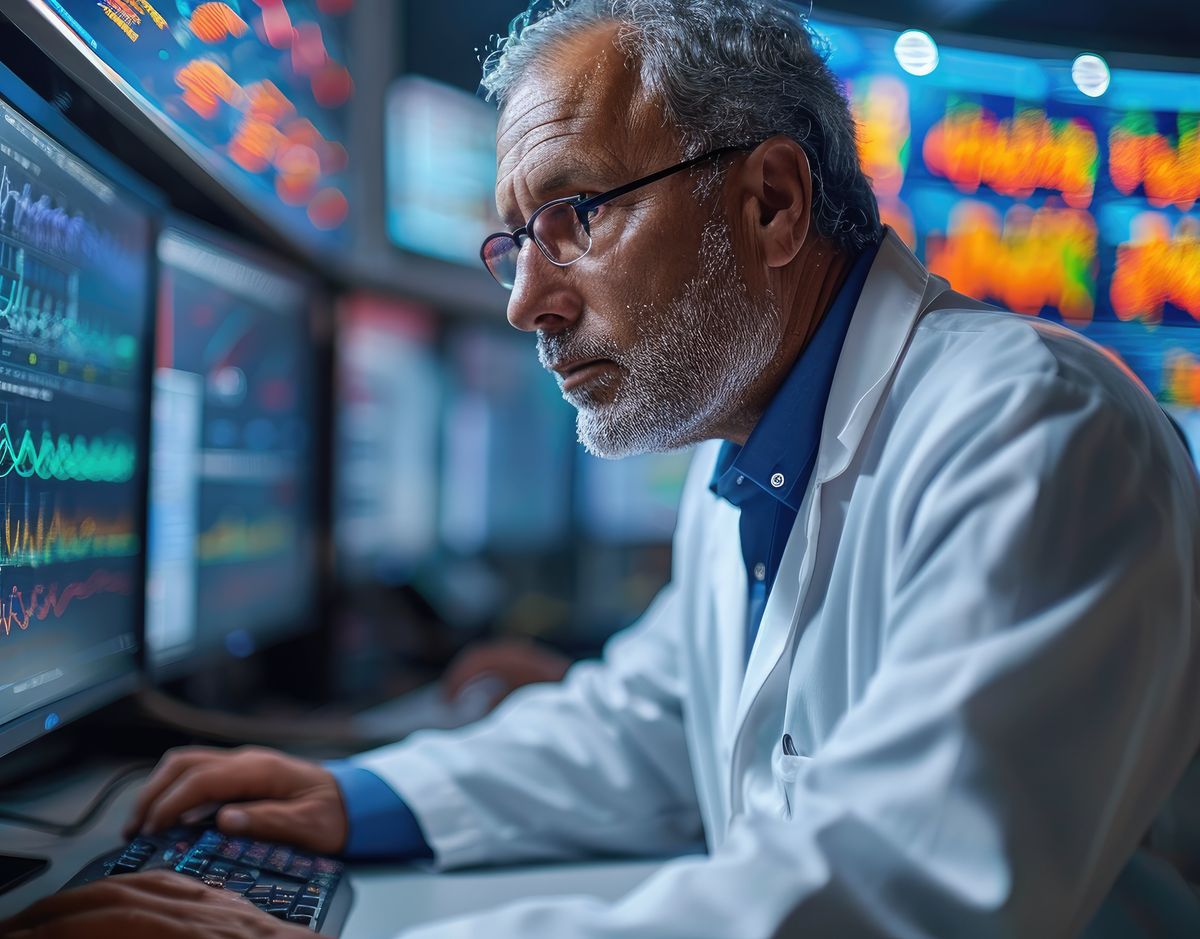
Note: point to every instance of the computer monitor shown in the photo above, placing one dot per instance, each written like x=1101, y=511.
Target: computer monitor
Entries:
x=388, y=409
x=76, y=253
x=257, y=94
x=441, y=169
x=509, y=436
x=1054, y=188
x=630, y=501
x=232, y=547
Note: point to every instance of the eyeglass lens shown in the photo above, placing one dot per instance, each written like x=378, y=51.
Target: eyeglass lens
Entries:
x=559, y=234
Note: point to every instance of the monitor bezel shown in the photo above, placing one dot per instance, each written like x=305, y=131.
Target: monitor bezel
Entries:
x=45, y=718
x=203, y=656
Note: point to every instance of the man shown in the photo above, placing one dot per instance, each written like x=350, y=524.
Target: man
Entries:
x=926, y=665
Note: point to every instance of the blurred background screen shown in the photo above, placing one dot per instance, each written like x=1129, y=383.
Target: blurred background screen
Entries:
x=261, y=92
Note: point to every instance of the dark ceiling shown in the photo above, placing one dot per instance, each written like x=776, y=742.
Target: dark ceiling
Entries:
x=441, y=35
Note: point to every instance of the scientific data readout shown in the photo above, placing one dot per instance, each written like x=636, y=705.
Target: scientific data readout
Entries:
x=74, y=306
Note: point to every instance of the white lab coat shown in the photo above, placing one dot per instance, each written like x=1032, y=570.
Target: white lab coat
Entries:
x=982, y=641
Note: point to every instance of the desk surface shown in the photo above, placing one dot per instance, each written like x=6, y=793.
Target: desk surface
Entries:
x=388, y=898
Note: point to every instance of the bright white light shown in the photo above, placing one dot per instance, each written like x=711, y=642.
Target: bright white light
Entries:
x=916, y=52
x=1090, y=74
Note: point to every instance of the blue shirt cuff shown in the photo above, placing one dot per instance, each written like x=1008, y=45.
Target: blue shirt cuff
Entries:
x=381, y=823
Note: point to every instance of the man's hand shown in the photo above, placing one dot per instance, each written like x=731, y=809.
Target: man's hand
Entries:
x=157, y=905
x=509, y=663
x=273, y=796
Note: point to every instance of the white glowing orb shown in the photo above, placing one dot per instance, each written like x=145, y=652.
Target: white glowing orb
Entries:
x=1090, y=74
x=916, y=52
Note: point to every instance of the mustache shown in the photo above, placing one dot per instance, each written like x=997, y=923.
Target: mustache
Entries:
x=554, y=349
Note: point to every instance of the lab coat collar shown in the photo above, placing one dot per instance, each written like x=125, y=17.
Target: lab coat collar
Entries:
x=897, y=290
x=784, y=442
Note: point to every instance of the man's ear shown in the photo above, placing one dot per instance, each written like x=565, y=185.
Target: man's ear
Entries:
x=777, y=198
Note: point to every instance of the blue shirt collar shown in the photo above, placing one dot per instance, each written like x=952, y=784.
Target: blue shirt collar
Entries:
x=780, y=452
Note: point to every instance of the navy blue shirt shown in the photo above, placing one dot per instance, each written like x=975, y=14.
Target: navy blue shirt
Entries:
x=766, y=479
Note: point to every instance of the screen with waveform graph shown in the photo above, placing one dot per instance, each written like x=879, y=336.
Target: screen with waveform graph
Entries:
x=232, y=549
x=256, y=92
x=75, y=304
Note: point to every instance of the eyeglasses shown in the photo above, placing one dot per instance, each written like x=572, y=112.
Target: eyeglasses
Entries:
x=562, y=227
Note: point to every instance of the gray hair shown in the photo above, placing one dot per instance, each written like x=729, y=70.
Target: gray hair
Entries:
x=727, y=72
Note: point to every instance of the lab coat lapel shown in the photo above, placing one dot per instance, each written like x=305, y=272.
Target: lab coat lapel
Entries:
x=896, y=291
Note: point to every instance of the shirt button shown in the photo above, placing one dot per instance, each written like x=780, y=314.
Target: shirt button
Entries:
x=777, y=481
x=740, y=480
x=760, y=571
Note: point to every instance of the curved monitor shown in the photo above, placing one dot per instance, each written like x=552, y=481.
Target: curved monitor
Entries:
x=76, y=247
x=232, y=543
x=255, y=93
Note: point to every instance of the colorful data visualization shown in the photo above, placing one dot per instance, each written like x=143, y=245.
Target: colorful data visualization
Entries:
x=1017, y=187
x=262, y=87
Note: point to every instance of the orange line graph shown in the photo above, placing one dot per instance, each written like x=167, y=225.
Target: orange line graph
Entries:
x=1169, y=173
x=45, y=600
x=972, y=147
x=45, y=540
x=1030, y=259
x=1156, y=266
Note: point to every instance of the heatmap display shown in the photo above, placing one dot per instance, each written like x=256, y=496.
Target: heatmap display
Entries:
x=1009, y=181
x=260, y=88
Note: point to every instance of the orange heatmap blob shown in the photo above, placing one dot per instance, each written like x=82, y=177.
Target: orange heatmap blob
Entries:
x=254, y=144
x=205, y=85
x=1181, y=378
x=880, y=108
x=1014, y=156
x=328, y=208
x=216, y=22
x=1031, y=259
x=1157, y=266
x=1169, y=172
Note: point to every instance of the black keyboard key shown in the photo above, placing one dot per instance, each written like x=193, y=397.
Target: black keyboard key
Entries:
x=300, y=918
x=278, y=860
x=240, y=881
x=300, y=868
x=256, y=854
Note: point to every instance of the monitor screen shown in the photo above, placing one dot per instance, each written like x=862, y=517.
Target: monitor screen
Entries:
x=258, y=92
x=509, y=436
x=441, y=170
x=1017, y=186
x=633, y=500
x=389, y=394
x=231, y=525
x=75, y=300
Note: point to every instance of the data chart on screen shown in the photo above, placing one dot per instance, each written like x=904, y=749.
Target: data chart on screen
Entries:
x=74, y=302
x=230, y=552
x=260, y=91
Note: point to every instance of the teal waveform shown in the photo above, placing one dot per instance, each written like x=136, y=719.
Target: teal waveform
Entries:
x=102, y=460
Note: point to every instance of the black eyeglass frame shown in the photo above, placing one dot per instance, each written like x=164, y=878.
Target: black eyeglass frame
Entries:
x=584, y=206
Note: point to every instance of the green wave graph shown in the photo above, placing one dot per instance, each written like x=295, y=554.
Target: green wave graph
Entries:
x=66, y=457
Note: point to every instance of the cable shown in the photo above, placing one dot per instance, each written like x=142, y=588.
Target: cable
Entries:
x=66, y=829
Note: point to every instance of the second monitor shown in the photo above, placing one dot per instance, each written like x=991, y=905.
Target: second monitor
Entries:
x=231, y=525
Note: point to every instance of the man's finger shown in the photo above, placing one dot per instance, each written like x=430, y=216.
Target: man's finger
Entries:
x=157, y=890
x=214, y=781
x=301, y=822
x=105, y=923
x=173, y=764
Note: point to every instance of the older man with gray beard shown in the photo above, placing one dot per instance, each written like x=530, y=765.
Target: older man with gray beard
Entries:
x=927, y=663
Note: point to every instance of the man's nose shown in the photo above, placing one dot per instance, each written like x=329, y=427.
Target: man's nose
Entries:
x=542, y=298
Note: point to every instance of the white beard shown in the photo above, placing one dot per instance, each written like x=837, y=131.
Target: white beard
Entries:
x=690, y=368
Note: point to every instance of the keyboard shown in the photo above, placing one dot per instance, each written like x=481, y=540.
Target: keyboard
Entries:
x=304, y=889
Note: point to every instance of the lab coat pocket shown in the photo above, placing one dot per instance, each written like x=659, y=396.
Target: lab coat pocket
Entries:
x=788, y=767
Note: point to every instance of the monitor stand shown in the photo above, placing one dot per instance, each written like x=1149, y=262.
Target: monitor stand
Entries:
x=16, y=870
